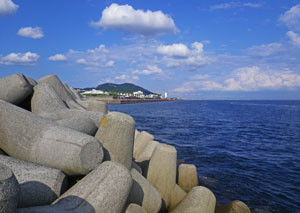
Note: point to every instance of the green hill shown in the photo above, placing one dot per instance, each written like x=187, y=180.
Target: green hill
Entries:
x=126, y=87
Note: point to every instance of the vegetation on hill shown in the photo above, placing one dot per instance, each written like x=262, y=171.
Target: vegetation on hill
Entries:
x=124, y=88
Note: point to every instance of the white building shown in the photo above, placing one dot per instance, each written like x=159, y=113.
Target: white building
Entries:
x=166, y=95
x=139, y=94
x=94, y=92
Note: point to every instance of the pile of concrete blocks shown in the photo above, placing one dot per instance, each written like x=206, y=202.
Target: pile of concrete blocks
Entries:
x=60, y=152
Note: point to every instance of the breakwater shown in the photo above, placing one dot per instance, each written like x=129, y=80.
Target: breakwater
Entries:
x=63, y=153
x=245, y=150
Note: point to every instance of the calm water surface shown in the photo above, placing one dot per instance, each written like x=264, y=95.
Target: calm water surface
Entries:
x=245, y=150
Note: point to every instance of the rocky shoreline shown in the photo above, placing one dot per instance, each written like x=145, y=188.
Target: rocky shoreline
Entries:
x=64, y=153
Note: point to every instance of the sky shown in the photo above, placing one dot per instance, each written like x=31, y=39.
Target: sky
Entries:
x=216, y=49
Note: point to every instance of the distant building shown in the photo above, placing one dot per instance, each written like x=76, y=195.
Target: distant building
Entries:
x=166, y=95
x=95, y=92
x=139, y=94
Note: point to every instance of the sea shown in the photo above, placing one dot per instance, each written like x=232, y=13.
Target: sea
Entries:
x=243, y=150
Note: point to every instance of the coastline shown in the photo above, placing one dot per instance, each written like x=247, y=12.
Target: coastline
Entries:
x=134, y=101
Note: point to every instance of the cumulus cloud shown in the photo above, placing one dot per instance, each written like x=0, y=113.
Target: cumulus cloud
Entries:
x=139, y=55
x=31, y=32
x=246, y=79
x=294, y=37
x=291, y=18
x=151, y=69
x=23, y=59
x=230, y=5
x=7, y=7
x=179, y=55
x=129, y=20
x=265, y=49
x=58, y=57
x=176, y=50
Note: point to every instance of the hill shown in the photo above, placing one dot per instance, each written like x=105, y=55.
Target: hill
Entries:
x=126, y=87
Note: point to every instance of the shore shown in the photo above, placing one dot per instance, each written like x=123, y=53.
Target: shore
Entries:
x=134, y=101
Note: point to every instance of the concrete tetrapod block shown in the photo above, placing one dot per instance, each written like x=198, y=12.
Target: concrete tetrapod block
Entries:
x=199, y=199
x=45, y=99
x=134, y=165
x=29, y=137
x=233, y=207
x=39, y=185
x=80, y=123
x=105, y=189
x=77, y=94
x=133, y=208
x=69, y=91
x=177, y=195
x=187, y=176
x=97, y=117
x=136, y=133
x=14, y=88
x=141, y=141
x=97, y=106
x=146, y=154
x=116, y=134
x=47, y=103
x=61, y=91
x=31, y=81
x=144, y=194
x=9, y=190
x=162, y=170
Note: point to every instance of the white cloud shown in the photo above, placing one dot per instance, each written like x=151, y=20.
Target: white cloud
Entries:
x=253, y=5
x=175, y=50
x=127, y=78
x=294, y=37
x=246, y=79
x=254, y=78
x=265, y=49
x=230, y=5
x=198, y=47
x=24, y=59
x=58, y=57
x=8, y=7
x=129, y=20
x=110, y=63
x=151, y=69
x=179, y=55
x=31, y=32
x=138, y=55
x=291, y=18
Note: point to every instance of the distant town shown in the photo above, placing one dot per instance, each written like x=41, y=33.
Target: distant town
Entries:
x=123, y=95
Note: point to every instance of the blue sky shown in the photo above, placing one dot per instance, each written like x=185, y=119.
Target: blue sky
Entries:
x=190, y=49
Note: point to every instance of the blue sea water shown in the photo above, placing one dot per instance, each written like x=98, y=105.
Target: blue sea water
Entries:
x=243, y=150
